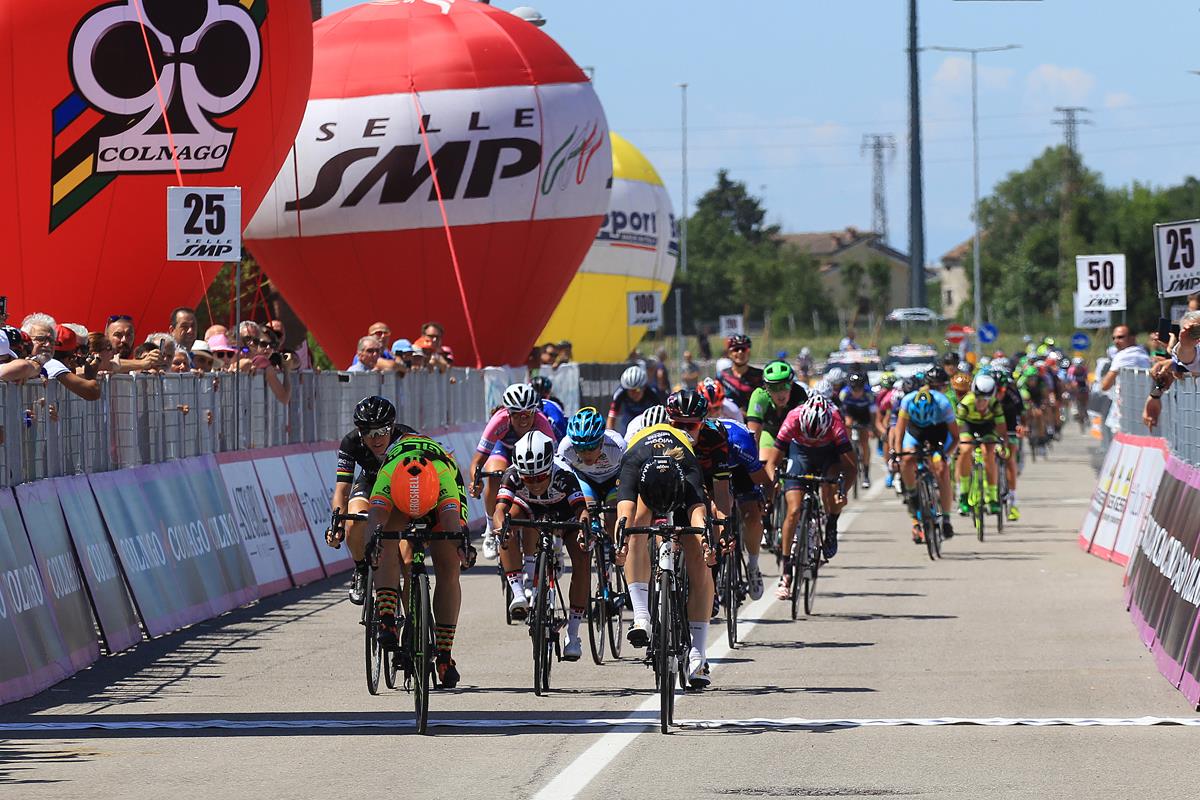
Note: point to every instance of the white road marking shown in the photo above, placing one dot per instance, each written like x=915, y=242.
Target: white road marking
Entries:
x=587, y=765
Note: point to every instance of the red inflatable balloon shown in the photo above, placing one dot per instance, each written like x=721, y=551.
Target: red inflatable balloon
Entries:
x=85, y=154
x=353, y=230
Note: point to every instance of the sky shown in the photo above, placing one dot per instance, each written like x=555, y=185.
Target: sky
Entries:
x=781, y=93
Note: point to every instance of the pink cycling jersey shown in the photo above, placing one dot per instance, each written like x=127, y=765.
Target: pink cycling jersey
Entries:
x=789, y=432
x=499, y=429
x=886, y=400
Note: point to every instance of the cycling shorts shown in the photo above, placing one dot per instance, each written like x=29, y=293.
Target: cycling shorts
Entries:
x=936, y=436
x=984, y=430
x=502, y=451
x=362, y=486
x=804, y=460
x=743, y=487
x=858, y=415
x=598, y=492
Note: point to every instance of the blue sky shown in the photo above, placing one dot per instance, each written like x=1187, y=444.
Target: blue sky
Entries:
x=782, y=91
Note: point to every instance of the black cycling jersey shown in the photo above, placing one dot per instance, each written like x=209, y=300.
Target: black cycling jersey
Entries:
x=661, y=440
x=562, y=500
x=739, y=388
x=1013, y=406
x=353, y=451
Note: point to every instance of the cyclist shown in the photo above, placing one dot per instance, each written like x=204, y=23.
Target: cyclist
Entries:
x=980, y=415
x=594, y=453
x=938, y=380
x=836, y=379
x=750, y=485
x=1013, y=405
x=1035, y=388
x=1077, y=380
x=859, y=408
x=375, y=429
x=960, y=385
x=632, y=398
x=813, y=438
x=518, y=415
x=740, y=379
x=654, y=415
x=719, y=407
x=661, y=478
x=419, y=481
x=551, y=406
x=536, y=485
x=926, y=416
x=771, y=402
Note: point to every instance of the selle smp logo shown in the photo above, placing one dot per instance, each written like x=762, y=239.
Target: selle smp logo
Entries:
x=204, y=57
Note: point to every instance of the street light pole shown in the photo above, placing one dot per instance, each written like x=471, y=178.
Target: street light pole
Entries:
x=682, y=226
x=975, y=51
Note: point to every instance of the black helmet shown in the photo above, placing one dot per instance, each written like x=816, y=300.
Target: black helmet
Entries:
x=687, y=404
x=936, y=376
x=737, y=340
x=374, y=412
x=858, y=380
x=660, y=484
x=542, y=385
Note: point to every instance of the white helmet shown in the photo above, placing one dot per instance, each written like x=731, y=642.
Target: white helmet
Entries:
x=1002, y=363
x=520, y=397
x=655, y=415
x=533, y=454
x=1077, y=361
x=823, y=389
x=836, y=374
x=815, y=420
x=805, y=352
x=633, y=378
x=984, y=385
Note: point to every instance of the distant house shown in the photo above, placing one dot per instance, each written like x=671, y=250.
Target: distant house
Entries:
x=833, y=250
x=952, y=275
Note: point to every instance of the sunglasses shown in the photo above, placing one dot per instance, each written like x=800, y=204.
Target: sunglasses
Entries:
x=588, y=448
x=545, y=476
x=526, y=413
x=120, y=318
x=375, y=433
x=738, y=349
x=265, y=343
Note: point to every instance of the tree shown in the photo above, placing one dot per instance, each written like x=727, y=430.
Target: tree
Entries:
x=879, y=275
x=852, y=273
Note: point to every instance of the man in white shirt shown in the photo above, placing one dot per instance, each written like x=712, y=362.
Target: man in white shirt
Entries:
x=1129, y=354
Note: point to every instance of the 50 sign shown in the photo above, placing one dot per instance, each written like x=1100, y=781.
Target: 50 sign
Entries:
x=1101, y=282
x=1175, y=252
x=204, y=223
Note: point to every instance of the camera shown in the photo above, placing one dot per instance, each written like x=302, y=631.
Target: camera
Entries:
x=277, y=360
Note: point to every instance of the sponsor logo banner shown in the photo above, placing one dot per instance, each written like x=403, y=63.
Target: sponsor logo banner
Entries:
x=291, y=524
x=314, y=497
x=255, y=528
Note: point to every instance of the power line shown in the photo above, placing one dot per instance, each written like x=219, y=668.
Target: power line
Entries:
x=879, y=145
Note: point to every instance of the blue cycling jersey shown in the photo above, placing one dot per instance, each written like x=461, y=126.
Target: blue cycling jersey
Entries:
x=742, y=450
x=557, y=417
x=939, y=411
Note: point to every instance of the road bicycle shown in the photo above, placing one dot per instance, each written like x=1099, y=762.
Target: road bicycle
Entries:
x=608, y=598
x=378, y=660
x=808, y=541
x=929, y=510
x=732, y=587
x=505, y=588
x=977, y=483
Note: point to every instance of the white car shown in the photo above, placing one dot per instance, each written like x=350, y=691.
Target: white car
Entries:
x=913, y=315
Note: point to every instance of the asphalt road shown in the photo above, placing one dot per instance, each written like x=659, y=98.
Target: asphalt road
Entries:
x=270, y=701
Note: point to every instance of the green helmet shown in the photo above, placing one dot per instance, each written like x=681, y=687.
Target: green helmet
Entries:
x=778, y=372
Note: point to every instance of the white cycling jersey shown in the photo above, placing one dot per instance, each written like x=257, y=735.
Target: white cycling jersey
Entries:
x=605, y=467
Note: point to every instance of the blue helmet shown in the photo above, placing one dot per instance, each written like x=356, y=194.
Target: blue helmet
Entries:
x=586, y=428
x=924, y=411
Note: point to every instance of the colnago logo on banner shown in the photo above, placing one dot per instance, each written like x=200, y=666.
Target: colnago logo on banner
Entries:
x=204, y=58
x=363, y=165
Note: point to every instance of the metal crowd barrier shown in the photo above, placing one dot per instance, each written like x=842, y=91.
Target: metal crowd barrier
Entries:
x=45, y=431
x=1179, y=422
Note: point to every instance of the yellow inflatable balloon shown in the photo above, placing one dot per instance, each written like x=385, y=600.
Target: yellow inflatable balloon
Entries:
x=635, y=251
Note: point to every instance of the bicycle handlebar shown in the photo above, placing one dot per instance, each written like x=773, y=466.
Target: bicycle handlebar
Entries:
x=544, y=524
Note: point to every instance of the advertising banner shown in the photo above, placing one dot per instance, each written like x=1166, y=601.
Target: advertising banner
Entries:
x=1115, y=501
x=255, y=528
x=1146, y=478
x=291, y=524
x=1105, y=480
x=1176, y=559
x=212, y=511
x=60, y=572
x=314, y=495
x=32, y=653
x=1153, y=565
x=110, y=599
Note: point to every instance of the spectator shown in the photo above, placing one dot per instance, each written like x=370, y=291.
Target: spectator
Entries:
x=1193, y=301
x=382, y=332
x=434, y=359
x=183, y=327
x=1129, y=354
x=1157, y=347
x=266, y=361
x=689, y=371
x=548, y=355
x=223, y=353
x=215, y=330
x=368, y=355
x=119, y=331
x=40, y=328
x=565, y=354
x=402, y=352
x=15, y=366
x=435, y=333
x=534, y=360
x=101, y=351
x=203, y=359
x=179, y=362
x=703, y=345
x=65, y=344
x=292, y=360
x=657, y=370
x=165, y=344
x=847, y=342
x=419, y=362
x=804, y=363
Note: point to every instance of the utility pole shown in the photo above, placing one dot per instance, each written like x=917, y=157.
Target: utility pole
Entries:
x=916, y=202
x=878, y=144
x=1070, y=122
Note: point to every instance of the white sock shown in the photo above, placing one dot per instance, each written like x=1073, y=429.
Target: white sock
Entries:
x=639, y=598
x=514, y=583
x=573, y=623
x=699, y=638
x=530, y=566
x=752, y=560
x=1012, y=496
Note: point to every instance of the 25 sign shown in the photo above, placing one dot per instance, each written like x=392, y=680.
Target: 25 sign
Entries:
x=204, y=223
x=1175, y=250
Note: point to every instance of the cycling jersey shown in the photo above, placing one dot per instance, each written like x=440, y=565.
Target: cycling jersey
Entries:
x=968, y=413
x=712, y=449
x=1014, y=407
x=859, y=409
x=738, y=388
x=1036, y=391
x=557, y=417
x=499, y=436
x=763, y=411
x=625, y=408
x=943, y=413
x=661, y=440
x=790, y=433
x=452, y=492
x=605, y=467
x=887, y=401
x=742, y=454
x=353, y=451
x=562, y=498
x=1079, y=374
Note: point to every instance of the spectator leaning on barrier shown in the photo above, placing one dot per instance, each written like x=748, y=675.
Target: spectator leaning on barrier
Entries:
x=1129, y=354
x=565, y=353
x=15, y=366
x=215, y=330
x=101, y=351
x=223, y=353
x=435, y=360
x=202, y=356
x=266, y=361
x=367, y=358
x=64, y=342
x=1184, y=360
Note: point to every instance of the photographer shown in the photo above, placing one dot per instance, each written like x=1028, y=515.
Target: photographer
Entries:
x=266, y=360
x=1184, y=360
x=67, y=360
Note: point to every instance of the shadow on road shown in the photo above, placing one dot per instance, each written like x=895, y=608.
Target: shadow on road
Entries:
x=19, y=761
x=804, y=645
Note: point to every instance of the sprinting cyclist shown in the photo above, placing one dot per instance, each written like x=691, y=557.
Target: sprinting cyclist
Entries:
x=419, y=481
x=632, y=398
x=1014, y=406
x=537, y=486
x=1035, y=390
x=544, y=386
x=654, y=415
x=979, y=414
x=858, y=409
x=771, y=402
x=741, y=379
x=814, y=438
x=375, y=429
x=594, y=453
x=750, y=485
x=926, y=416
x=720, y=407
x=960, y=385
x=518, y=416
x=550, y=406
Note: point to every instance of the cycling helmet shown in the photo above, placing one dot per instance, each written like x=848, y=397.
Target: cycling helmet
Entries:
x=586, y=428
x=660, y=484
x=737, y=340
x=1002, y=377
x=374, y=412
x=835, y=376
x=542, y=385
x=533, y=454
x=687, y=405
x=907, y=385
x=887, y=381
x=778, y=372
x=817, y=400
x=633, y=378
x=416, y=485
x=984, y=386
x=961, y=382
x=815, y=420
x=924, y=411
x=520, y=397
x=965, y=366
x=1001, y=363
x=936, y=376
x=858, y=380
x=656, y=415
x=805, y=352
x=823, y=389
x=713, y=391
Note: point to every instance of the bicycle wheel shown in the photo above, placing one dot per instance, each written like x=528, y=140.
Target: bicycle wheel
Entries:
x=779, y=513
x=978, y=506
x=731, y=584
x=507, y=591
x=1002, y=495
x=928, y=519
x=540, y=628
x=665, y=653
x=597, y=610
x=683, y=634
x=858, y=467
x=813, y=538
x=799, y=559
x=616, y=596
x=422, y=643
x=374, y=653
